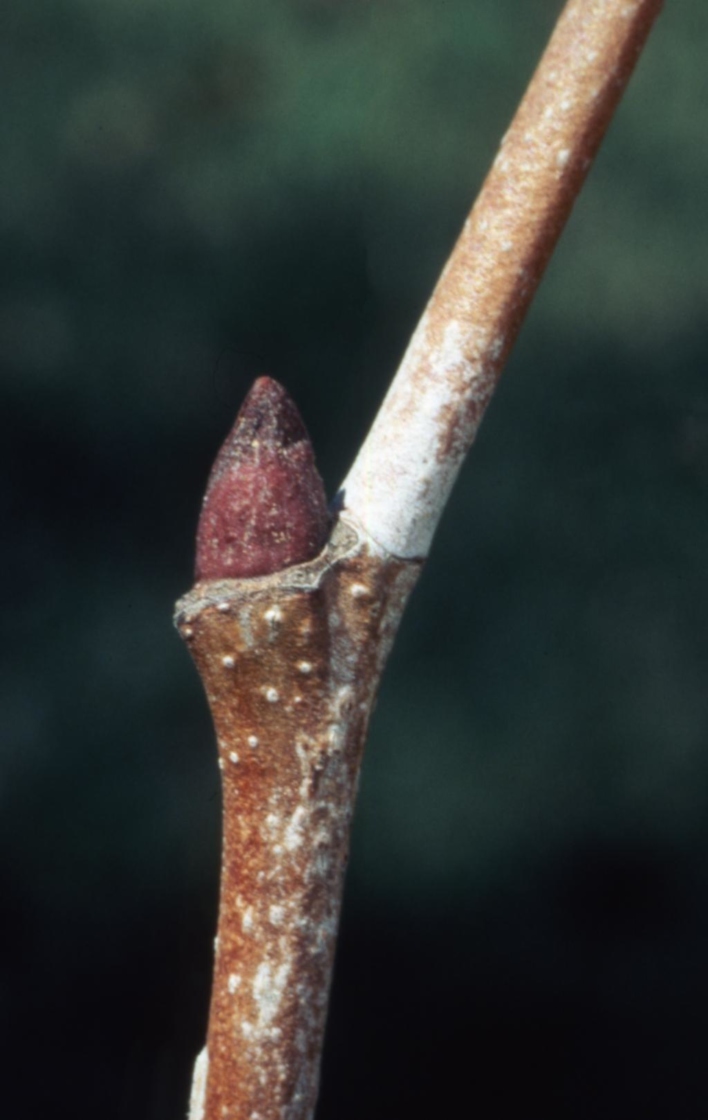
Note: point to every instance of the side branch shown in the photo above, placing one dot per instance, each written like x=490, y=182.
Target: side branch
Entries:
x=400, y=481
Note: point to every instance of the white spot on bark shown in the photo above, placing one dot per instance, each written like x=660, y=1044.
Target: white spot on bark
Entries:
x=247, y=920
x=335, y=736
x=234, y=982
x=496, y=347
x=272, y=695
x=233, y=756
x=304, y=667
x=276, y=915
x=293, y=833
x=188, y=633
x=223, y=607
x=253, y=741
x=358, y=590
x=228, y=662
x=273, y=615
x=563, y=156
x=268, y=988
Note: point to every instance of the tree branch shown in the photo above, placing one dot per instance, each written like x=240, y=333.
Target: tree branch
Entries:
x=290, y=638
x=401, y=479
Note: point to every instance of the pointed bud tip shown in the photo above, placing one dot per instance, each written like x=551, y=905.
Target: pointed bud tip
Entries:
x=268, y=413
x=265, y=507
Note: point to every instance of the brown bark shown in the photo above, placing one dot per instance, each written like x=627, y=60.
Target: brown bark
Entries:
x=403, y=474
x=290, y=663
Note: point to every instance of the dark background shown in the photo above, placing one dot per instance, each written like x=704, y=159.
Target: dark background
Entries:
x=196, y=193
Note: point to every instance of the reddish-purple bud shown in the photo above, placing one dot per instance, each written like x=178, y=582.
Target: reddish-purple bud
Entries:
x=265, y=507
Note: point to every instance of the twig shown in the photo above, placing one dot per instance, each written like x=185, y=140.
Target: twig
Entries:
x=290, y=638
x=401, y=479
x=290, y=659
x=290, y=663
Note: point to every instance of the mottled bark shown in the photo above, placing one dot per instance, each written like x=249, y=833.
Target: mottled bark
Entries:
x=291, y=646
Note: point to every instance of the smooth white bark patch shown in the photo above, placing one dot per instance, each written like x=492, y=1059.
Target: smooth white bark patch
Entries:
x=402, y=477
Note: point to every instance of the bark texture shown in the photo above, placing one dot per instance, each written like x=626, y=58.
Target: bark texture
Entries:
x=401, y=479
x=290, y=663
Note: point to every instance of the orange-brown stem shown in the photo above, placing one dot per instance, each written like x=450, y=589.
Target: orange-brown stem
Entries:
x=290, y=663
x=401, y=478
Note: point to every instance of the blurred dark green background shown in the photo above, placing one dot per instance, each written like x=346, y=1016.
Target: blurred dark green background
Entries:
x=196, y=193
